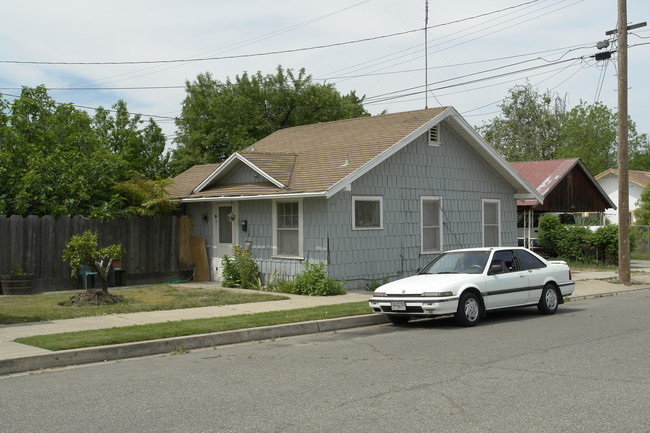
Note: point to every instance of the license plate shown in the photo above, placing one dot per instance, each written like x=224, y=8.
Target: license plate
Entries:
x=398, y=306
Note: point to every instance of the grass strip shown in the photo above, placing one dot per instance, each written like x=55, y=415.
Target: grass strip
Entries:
x=45, y=306
x=127, y=334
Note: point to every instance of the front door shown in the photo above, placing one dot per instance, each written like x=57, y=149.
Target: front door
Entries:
x=224, y=236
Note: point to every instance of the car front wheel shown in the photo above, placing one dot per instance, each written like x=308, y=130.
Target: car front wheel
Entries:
x=549, y=301
x=398, y=320
x=469, y=310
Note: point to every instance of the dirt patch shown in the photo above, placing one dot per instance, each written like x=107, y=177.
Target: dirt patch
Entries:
x=92, y=298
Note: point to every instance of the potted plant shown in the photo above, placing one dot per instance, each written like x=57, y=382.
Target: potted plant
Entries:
x=17, y=281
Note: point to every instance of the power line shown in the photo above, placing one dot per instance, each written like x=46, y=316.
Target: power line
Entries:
x=268, y=53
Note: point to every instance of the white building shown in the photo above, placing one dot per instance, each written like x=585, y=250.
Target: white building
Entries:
x=608, y=180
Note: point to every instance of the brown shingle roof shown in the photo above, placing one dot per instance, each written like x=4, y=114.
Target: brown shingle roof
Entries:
x=320, y=159
x=184, y=183
x=321, y=150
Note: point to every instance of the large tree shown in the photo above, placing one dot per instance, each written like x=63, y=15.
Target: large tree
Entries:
x=219, y=118
x=142, y=149
x=57, y=160
x=536, y=126
x=529, y=125
x=50, y=159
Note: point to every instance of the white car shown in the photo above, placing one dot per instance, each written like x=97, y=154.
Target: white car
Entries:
x=467, y=283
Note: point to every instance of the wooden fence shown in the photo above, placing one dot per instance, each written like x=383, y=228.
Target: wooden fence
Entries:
x=154, y=247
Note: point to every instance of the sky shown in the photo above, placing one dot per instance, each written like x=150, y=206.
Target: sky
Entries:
x=93, y=53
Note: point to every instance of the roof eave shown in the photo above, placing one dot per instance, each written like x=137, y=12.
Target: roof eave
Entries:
x=228, y=198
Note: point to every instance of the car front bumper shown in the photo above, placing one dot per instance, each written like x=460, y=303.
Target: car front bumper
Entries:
x=414, y=306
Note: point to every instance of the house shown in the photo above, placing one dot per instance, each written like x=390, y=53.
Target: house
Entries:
x=638, y=181
x=373, y=198
x=567, y=188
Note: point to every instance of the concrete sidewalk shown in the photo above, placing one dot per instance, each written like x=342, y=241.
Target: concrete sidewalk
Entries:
x=16, y=357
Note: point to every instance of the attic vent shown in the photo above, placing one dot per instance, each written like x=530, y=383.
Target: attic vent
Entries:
x=434, y=136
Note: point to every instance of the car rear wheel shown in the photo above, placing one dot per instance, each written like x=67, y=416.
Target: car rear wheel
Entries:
x=469, y=310
x=398, y=320
x=549, y=301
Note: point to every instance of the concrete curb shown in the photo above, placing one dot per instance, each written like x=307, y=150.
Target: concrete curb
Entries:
x=600, y=295
x=89, y=355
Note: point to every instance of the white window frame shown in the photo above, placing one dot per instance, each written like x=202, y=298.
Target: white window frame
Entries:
x=498, y=223
x=424, y=199
x=300, y=255
x=375, y=198
x=433, y=135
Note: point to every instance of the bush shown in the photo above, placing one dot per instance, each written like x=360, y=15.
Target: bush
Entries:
x=578, y=243
x=605, y=243
x=573, y=243
x=240, y=270
x=312, y=282
x=551, y=231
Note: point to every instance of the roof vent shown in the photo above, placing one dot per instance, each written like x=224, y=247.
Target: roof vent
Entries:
x=253, y=147
x=434, y=138
x=347, y=160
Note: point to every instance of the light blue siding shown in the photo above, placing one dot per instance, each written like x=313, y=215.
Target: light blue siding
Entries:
x=453, y=172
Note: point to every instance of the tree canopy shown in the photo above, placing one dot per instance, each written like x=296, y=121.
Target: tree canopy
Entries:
x=535, y=126
x=219, y=118
x=58, y=160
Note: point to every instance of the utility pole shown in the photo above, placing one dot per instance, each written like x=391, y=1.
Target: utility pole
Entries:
x=623, y=171
x=426, y=54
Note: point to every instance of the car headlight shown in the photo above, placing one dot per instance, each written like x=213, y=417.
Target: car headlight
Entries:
x=380, y=293
x=437, y=294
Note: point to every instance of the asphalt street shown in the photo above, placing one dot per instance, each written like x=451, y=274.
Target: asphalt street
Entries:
x=585, y=369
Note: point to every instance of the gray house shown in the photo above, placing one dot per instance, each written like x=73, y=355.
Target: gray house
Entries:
x=373, y=198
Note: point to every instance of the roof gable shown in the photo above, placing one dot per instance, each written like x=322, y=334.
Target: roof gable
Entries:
x=547, y=176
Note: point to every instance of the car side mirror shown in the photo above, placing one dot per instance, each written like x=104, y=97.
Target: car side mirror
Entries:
x=495, y=269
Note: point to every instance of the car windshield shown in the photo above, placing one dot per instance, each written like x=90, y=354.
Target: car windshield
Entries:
x=458, y=262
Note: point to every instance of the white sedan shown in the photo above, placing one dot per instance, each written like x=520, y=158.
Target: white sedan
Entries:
x=467, y=283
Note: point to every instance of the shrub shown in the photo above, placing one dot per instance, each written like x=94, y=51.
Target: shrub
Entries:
x=312, y=281
x=229, y=273
x=573, y=242
x=605, y=243
x=551, y=231
x=578, y=243
x=240, y=270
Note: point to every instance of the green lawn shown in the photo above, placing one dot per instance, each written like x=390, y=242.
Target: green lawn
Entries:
x=45, y=306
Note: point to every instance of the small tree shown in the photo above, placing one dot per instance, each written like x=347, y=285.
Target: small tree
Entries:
x=83, y=249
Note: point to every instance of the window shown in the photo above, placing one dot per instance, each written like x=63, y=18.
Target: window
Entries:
x=367, y=213
x=491, y=223
x=431, y=224
x=434, y=137
x=529, y=261
x=225, y=225
x=287, y=225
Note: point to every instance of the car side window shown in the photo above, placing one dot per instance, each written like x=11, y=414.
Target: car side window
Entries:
x=508, y=259
x=529, y=261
